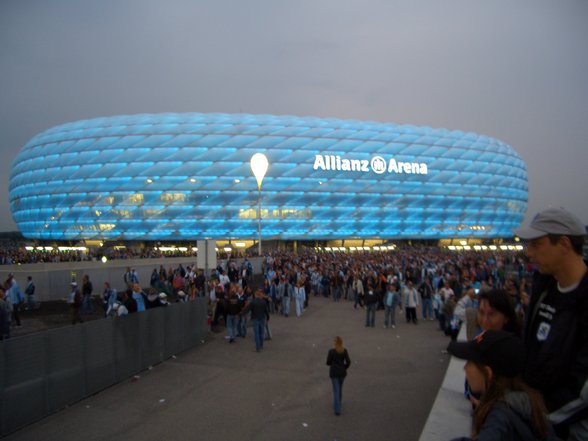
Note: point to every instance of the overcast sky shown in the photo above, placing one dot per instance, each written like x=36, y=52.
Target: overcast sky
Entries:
x=513, y=70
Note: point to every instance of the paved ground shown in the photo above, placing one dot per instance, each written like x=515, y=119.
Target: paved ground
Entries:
x=50, y=315
x=221, y=391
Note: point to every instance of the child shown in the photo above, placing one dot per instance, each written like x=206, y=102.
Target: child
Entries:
x=508, y=409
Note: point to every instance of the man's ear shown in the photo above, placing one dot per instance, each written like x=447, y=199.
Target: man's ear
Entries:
x=565, y=242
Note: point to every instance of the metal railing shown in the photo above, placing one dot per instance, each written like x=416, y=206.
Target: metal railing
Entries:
x=43, y=372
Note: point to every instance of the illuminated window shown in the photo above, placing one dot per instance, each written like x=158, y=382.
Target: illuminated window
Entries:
x=173, y=197
x=135, y=199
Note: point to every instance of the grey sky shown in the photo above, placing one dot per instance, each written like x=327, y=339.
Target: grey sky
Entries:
x=512, y=70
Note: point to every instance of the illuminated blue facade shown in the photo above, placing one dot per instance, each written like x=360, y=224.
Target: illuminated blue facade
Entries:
x=187, y=176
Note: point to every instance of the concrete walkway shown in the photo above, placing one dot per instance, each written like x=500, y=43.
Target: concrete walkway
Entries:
x=221, y=391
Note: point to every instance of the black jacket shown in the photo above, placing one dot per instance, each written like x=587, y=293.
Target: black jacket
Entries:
x=233, y=305
x=339, y=363
x=556, y=340
x=258, y=307
x=371, y=297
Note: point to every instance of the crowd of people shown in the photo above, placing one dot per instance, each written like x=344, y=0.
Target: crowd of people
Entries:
x=430, y=279
x=542, y=304
x=394, y=280
x=133, y=297
x=13, y=253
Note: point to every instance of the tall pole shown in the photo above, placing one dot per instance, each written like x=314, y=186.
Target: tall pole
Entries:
x=259, y=165
x=259, y=220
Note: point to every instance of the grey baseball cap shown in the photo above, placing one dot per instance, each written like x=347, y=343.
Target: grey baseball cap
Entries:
x=552, y=221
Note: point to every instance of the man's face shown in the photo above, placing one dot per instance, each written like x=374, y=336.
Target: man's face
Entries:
x=546, y=255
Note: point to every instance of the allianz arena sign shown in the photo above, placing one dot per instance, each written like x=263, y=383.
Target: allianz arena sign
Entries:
x=376, y=164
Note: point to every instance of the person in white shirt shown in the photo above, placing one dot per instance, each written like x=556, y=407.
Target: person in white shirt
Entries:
x=118, y=310
x=299, y=296
x=411, y=302
x=467, y=301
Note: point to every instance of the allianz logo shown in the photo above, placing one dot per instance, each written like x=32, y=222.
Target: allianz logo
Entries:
x=377, y=164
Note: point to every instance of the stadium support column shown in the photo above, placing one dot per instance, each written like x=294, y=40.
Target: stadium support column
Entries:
x=206, y=256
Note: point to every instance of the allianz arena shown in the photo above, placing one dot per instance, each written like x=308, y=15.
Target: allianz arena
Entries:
x=187, y=176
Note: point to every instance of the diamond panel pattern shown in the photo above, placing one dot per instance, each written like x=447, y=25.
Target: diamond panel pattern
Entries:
x=187, y=176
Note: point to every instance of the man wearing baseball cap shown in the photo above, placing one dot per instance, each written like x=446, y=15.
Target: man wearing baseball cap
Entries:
x=556, y=325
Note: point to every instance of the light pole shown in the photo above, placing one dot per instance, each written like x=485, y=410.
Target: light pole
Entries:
x=259, y=164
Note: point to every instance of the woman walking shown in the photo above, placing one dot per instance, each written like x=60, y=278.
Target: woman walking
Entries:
x=338, y=362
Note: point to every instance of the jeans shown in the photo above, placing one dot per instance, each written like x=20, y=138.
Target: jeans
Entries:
x=411, y=315
x=16, y=313
x=232, y=321
x=299, y=306
x=316, y=289
x=442, y=322
x=370, y=315
x=390, y=316
x=427, y=309
x=31, y=303
x=286, y=306
x=258, y=330
x=337, y=394
x=357, y=300
x=242, y=327
x=87, y=305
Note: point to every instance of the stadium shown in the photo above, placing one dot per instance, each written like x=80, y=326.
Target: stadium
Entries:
x=187, y=176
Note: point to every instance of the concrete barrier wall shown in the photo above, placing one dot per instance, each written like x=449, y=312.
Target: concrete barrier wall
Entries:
x=44, y=372
x=451, y=414
x=52, y=279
